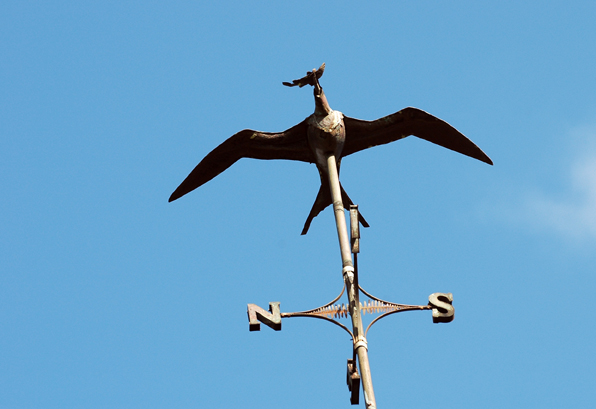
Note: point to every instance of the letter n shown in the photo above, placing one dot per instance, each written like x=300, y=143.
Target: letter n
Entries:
x=272, y=319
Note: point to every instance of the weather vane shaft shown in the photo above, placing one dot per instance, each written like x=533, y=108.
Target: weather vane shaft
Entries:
x=351, y=283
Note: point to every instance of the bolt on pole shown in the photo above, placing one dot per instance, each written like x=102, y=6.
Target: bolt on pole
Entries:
x=360, y=344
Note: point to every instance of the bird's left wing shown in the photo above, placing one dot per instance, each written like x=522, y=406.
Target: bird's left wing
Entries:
x=291, y=144
x=409, y=121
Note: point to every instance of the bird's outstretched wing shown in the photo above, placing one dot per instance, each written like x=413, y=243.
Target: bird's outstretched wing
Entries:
x=409, y=121
x=291, y=144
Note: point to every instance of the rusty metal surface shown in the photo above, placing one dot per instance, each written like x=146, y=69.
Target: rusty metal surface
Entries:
x=324, y=312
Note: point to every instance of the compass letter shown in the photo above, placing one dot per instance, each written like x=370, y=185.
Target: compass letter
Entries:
x=443, y=311
x=272, y=318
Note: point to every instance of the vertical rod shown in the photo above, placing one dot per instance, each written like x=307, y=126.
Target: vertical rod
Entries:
x=360, y=344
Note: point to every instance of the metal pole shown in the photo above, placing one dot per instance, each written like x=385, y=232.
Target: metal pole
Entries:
x=360, y=344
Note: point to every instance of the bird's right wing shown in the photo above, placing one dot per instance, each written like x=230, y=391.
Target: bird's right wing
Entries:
x=291, y=144
x=409, y=121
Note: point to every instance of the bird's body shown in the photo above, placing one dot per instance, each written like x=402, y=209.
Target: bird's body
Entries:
x=326, y=132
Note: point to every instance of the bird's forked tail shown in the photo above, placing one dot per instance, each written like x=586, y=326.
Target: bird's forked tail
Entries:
x=323, y=200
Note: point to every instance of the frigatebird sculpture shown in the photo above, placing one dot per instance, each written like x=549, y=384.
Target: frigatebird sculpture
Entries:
x=326, y=132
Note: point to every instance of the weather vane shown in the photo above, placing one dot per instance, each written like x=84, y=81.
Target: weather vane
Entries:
x=324, y=138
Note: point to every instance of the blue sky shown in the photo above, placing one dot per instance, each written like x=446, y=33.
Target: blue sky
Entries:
x=110, y=297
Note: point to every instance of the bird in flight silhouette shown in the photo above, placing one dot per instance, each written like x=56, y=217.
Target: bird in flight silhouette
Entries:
x=323, y=133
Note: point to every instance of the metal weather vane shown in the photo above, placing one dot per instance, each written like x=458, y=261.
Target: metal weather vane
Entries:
x=324, y=138
x=326, y=132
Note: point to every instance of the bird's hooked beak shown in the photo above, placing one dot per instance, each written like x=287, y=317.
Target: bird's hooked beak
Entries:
x=321, y=105
x=312, y=78
x=318, y=90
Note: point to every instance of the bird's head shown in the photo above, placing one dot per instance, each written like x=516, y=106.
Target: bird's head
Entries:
x=312, y=78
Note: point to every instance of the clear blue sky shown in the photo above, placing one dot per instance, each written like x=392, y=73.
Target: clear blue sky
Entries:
x=110, y=297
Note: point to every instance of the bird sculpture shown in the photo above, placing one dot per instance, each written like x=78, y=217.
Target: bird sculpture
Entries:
x=323, y=133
